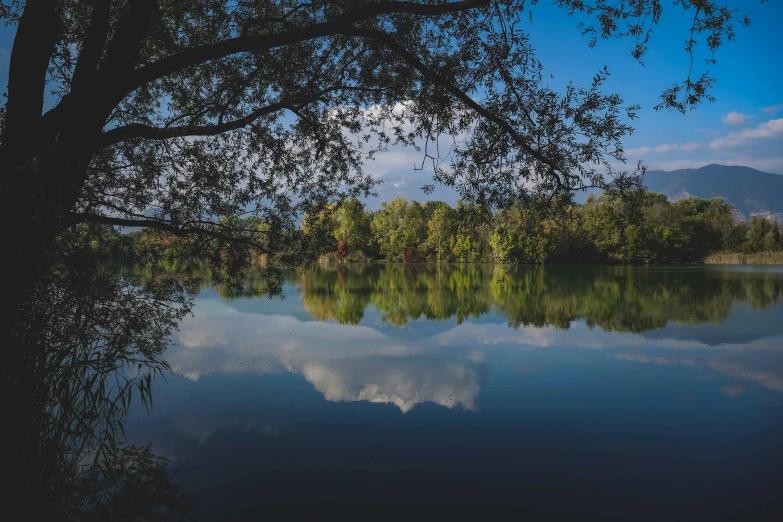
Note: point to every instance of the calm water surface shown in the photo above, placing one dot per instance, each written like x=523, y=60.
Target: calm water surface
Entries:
x=647, y=393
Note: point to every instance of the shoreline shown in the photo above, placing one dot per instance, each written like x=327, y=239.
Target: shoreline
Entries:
x=737, y=258
x=774, y=258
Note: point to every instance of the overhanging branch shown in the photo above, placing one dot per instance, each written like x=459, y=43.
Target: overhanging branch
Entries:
x=186, y=230
x=204, y=53
x=139, y=130
x=455, y=91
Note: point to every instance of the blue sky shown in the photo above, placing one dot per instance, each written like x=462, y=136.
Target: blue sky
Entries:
x=743, y=127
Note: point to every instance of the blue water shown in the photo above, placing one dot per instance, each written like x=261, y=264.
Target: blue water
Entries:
x=638, y=394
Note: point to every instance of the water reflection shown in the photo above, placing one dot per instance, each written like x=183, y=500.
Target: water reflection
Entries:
x=652, y=394
x=612, y=298
x=425, y=358
x=360, y=364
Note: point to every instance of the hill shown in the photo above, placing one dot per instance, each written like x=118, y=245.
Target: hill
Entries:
x=752, y=192
x=408, y=183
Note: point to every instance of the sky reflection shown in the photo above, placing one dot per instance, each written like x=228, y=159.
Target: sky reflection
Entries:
x=651, y=394
x=442, y=361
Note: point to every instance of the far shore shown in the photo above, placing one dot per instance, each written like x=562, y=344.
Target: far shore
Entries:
x=724, y=258
x=737, y=258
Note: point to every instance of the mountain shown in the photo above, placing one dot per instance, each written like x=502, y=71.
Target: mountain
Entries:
x=752, y=192
x=408, y=183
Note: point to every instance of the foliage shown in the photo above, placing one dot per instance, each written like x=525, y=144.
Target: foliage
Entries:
x=93, y=342
x=136, y=486
x=639, y=228
x=440, y=230
x=763, y=235
x=631, y=299
x=502, y=243
x=352, y=227
x=398, y=225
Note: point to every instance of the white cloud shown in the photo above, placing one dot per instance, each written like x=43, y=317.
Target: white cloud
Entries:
x=666, y=148
x=692, y=146
x=734, y=118
x=768, y=129
x=738, y=370
x=404, y=383
x=641, y=151
x=681, y=164
x=773, y=109
x=389, y=161
x=768, y=379
x=732, y=390
x=402, y=374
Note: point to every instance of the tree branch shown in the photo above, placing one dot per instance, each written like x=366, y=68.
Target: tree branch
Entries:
x=180, y=231
x=75, y=218
x=138, y=130
x=34, y=44
x=455, y=91
x=199, y=55
x=95, y=41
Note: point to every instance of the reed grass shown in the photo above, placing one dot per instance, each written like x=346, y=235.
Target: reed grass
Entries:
x=737, y=258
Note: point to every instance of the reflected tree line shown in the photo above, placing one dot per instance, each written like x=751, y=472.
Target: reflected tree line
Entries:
x=626, y=299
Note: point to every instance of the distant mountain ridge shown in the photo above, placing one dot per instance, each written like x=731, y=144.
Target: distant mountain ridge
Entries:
x=751, y=191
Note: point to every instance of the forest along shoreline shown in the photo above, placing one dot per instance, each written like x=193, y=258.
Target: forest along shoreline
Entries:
x=640, y=228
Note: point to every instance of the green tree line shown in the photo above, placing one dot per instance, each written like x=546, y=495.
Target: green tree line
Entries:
x=640, y=228
x=645, y=228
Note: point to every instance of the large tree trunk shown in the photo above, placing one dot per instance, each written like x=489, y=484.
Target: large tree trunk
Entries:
x=21, y=209
x=43, y=168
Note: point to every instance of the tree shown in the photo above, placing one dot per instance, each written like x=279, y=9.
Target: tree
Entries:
x=352, y=226
x=440, y=230
x=397, y=226
x=772, y=238
x=502, y=244
x=195, y=109
x=166, y=114
x=463, y=247
x=759, y=228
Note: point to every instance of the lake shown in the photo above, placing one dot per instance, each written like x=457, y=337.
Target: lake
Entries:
x=620, y=393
